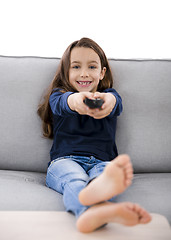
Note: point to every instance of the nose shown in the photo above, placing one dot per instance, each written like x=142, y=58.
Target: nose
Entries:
x=84, y=73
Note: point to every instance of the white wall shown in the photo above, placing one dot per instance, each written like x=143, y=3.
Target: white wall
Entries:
x=123, y=28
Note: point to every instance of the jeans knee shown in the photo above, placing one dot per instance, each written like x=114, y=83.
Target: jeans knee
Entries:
x=75, y=177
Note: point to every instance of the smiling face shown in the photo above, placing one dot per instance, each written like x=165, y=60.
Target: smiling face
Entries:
x=85, y=70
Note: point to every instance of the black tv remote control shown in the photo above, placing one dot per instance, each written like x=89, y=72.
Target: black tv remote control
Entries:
x=94, y=103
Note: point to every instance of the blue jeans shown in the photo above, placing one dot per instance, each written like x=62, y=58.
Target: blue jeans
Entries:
x=69, y=175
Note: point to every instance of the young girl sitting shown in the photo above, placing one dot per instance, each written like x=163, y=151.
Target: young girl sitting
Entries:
x=85, y=166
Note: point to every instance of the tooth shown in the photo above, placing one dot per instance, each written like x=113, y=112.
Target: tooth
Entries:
x=84, y=83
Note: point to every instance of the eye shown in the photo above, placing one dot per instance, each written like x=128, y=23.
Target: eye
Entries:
x=92, y=67
x=75, y=67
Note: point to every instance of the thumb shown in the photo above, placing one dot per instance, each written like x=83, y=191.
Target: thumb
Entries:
x=88, y=95
x=97, y=95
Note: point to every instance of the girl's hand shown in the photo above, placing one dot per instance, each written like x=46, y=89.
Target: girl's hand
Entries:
x=107, y=107
x=75, y=102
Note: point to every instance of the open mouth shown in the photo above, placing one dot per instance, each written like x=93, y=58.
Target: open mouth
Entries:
x=84, y=83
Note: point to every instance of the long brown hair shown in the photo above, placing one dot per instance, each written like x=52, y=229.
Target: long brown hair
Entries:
x=61, y=81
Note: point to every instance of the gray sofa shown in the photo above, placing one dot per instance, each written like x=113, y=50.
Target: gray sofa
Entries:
x=143, y=131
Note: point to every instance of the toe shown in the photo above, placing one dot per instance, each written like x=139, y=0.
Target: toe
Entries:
x=145, y=219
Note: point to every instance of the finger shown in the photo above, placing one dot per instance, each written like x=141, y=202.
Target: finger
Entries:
x=100, y=114
x=97, y=95
x=105, y=105
x=92, y=111
x=89, y=95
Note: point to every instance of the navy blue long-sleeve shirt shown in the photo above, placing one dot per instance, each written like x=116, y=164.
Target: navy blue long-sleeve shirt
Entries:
x=76, y=134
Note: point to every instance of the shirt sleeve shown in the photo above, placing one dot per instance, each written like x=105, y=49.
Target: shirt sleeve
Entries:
x=59, y=104
x=118, y=106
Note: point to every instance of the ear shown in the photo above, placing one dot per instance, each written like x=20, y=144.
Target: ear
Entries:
x=102, y=74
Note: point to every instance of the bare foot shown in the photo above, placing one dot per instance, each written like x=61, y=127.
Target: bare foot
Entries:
x=116, y=177
x=128, y=214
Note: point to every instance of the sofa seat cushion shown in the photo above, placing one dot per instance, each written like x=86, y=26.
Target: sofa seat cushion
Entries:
x=27, y=191
x=152, y=191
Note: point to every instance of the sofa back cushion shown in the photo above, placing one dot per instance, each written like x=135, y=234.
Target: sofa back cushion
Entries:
x=143, y=130
x=23, y=80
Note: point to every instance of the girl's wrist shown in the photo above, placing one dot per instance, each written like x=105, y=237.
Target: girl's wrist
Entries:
x=113, y=99
x=70, y=101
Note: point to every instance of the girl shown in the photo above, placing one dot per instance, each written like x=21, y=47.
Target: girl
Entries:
x=82, y=166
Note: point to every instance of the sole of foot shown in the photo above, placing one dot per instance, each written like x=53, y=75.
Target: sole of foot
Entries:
x=128, y=214
x=115, y=179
